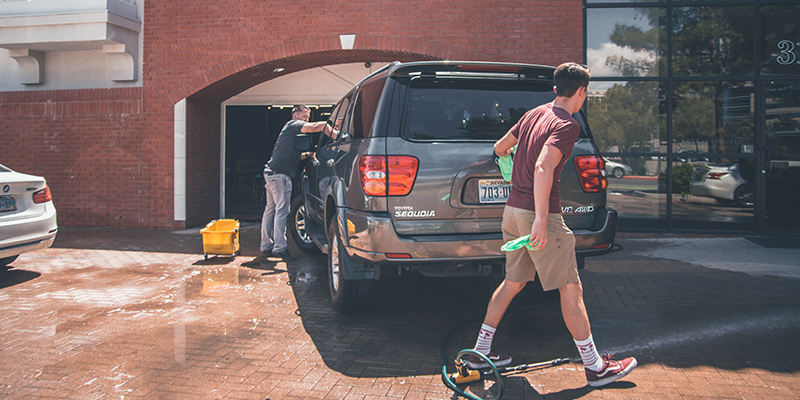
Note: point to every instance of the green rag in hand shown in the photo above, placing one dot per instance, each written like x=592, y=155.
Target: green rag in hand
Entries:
x=518, y=243
x=505, y=163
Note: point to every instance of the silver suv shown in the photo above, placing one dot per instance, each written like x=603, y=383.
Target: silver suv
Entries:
x=412, y=183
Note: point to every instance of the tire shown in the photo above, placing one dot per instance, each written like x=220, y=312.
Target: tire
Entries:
x=743, y=196
x=297, y=223
x=347, y=296
x=618, y=173
x=8, y=260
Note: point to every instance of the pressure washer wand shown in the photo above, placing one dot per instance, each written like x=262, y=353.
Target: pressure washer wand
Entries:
x=525, y=367
x=466, y=375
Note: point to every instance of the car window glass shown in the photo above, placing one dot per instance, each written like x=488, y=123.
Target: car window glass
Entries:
x=335, y=120
x=453, y=109
x=365, y=107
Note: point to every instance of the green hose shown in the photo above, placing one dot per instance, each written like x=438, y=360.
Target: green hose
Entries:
x=499, y=378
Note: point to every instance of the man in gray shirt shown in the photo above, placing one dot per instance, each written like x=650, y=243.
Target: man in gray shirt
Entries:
x=278, y=174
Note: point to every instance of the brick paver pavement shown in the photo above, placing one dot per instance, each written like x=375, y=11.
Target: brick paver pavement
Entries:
x=138, y=314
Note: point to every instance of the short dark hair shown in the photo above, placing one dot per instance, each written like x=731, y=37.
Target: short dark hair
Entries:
x=299, y=108
x=569, y=77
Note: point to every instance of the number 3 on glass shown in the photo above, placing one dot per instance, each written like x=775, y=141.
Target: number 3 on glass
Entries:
x=787, y=52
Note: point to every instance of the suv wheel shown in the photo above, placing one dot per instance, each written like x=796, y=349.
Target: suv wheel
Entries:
x=298, y=227
x=347, y=295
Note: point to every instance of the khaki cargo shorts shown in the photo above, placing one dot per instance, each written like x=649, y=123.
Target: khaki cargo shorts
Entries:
x=555, y=263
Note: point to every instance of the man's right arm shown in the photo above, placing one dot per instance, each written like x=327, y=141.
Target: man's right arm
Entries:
x=310, y=127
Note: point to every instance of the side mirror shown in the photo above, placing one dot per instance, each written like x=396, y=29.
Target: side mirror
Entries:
x=303, y=143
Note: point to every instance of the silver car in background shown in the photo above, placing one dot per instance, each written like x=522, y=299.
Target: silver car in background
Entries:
x=617, y=169
x=27, y=215
x=722, y=182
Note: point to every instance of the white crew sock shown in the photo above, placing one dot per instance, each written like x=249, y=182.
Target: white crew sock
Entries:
x=485, y=338
x=591, y=358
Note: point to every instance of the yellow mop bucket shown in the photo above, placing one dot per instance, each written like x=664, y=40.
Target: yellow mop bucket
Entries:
x=221, y=237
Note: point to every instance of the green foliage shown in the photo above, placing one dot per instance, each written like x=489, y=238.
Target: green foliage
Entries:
x=681, y=177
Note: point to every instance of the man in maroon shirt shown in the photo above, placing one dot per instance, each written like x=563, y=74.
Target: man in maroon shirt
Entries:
x=544, y=138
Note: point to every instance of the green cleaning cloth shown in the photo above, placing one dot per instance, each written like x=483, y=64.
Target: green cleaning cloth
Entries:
x=518, y=243
x=506, y=163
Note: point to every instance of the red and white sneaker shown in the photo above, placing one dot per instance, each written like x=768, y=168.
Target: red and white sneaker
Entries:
x=499, y=360
x=611, y=371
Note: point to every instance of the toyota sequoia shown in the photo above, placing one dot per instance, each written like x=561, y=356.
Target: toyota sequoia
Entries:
x=412, y=182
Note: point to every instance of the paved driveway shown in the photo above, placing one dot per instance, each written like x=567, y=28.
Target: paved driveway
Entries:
x=138, y=314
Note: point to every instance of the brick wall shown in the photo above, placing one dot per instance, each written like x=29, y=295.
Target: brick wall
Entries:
x=108, y=154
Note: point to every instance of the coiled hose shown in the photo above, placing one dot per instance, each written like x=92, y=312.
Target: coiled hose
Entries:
x=498, y=378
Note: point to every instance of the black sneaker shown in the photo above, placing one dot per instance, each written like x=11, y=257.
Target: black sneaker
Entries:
x=284, y=255
x=499, y=360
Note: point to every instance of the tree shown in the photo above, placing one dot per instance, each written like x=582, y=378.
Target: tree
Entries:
x=707, y=41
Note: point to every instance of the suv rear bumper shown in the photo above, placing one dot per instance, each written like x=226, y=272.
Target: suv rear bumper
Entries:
x=371, y=239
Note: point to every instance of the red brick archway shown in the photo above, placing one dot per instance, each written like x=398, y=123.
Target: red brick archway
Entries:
x=205, y=93
x=244, y=72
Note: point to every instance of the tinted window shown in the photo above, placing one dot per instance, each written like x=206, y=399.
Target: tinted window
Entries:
x=336, y=119
x=365, y=108
x=452, y=109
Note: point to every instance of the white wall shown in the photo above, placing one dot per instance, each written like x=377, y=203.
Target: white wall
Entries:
x=323, y=85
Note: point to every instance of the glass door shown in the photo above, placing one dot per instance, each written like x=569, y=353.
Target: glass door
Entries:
x=781, y=156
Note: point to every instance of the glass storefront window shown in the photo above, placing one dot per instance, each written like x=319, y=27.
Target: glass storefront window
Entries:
x=783, y=154
x=713, y=193
x=624, y=116
x=626, y=41
x=712, y=117
x=780, y=39
x=624, y=1
x=712, y=41
x=639, y=195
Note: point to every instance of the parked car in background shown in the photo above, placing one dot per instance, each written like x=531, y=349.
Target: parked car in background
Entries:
x=722, y=182
x=27, y=215
x=411, y=185
x=617, y=169
x=687, y=155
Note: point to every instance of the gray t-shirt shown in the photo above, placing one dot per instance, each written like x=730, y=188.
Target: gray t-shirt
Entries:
x=285, y=159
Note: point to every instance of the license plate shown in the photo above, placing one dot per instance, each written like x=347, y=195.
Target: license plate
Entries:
x=494, y=191
x=8, y=203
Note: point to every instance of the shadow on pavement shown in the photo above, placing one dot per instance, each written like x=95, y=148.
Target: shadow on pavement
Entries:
x=10, y=276
x=660, y=311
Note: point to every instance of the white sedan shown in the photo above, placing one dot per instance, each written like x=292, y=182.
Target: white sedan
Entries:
x=617, y=169
x=27, y=215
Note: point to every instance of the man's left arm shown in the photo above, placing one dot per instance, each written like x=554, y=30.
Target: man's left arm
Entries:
x=543, y=173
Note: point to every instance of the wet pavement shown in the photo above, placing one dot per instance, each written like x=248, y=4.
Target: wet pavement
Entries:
x=139, y=314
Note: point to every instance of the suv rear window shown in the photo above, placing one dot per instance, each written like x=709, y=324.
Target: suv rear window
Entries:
x=460, y=109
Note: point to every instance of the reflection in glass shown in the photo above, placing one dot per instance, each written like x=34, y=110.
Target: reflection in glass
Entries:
x=783, y=154
x=622, y=1
x=626, y=41
x=714, y=194
x=712, y=41
x=712, y=117
x=780, y=39
x=624, y=116
x=637, y=195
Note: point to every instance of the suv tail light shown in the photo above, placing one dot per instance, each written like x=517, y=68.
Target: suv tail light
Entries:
x=592, y=173
x=42, y=196
x=397, y=173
